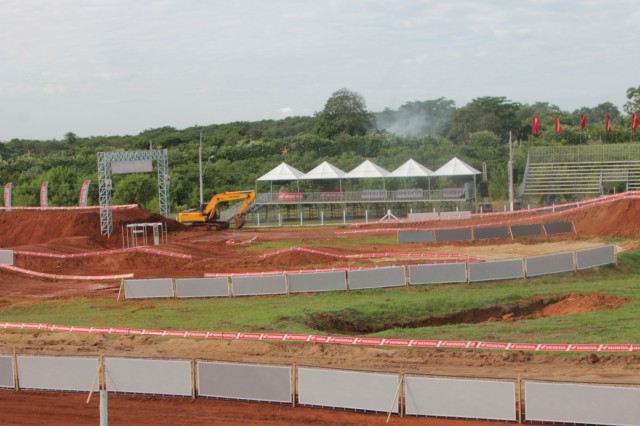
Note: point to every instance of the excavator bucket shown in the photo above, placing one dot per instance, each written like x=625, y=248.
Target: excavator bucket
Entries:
x=239, y=221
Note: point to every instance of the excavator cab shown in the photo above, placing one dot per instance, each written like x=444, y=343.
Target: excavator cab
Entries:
x=209, y=213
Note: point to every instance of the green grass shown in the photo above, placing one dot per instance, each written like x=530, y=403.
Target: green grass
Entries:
x=291, y=314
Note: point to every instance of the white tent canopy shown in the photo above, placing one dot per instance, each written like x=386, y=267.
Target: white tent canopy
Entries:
x=282, y=172
x=367, y=170
x=325, y=171
x=456, y=167
x=411, y=169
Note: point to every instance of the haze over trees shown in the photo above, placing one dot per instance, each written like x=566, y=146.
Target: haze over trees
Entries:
x=344, y=133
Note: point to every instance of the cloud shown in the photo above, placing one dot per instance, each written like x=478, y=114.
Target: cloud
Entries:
x=286, y=112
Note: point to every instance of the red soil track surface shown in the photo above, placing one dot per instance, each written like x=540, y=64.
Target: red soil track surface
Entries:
x=79, y=231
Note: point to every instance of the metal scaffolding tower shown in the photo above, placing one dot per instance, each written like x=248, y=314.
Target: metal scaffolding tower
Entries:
x=105, y=160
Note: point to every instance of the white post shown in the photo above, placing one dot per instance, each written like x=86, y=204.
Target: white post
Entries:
x=300, y=217
x=366, y=216
x=510, y=171
x=322, y=218
x=344, y=217
x=200, y=168
x=104, y=412
x=258, y=215
x=279, y=219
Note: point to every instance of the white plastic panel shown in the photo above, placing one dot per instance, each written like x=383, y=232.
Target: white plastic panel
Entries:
x=7, y=379
x=496, y=270
x=438, y=273
x=317, y=281
x=597, y=256
x=549, y=264
x=393, y=276
x=589, y=404
x=148, y=288
x=244, y=381
x=348, y=389
x=475, y=399
x=202, y=287
x=255, y=285
x=57, y=373
x=149, y=376
x=6, y=257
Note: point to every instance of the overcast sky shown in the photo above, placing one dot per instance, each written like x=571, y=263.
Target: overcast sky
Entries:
x=115, y=67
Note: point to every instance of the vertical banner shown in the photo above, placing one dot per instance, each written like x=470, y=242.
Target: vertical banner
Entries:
x=7, y=195
x=84, y=192
x=44, y=194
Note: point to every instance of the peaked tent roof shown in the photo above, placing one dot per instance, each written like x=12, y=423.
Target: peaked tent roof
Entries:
x=411, y=169
x=282, y=172
x=367, y=170
x=325, y=171
x=456, y=167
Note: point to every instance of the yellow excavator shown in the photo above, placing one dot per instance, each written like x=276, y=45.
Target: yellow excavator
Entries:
x=209, y=214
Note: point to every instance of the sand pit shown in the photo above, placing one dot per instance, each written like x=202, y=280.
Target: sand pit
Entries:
x=78, y=231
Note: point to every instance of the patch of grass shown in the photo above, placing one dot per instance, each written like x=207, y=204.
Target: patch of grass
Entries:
x=292, y=314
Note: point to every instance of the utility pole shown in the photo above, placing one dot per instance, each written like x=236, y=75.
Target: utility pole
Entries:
x=200, y=168
x=510, y=167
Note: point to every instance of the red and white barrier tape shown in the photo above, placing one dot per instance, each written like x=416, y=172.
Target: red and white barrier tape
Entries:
x=564, y=209
x=102, y=253
x=64, y=277
x=119, y=206
x=334, y=340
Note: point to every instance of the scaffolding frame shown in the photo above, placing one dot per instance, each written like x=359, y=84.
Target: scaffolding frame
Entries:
x=105, y=184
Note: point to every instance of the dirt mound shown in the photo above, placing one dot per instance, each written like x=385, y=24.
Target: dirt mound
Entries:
x=617, y=219
x=537, y=307
x=23, y=228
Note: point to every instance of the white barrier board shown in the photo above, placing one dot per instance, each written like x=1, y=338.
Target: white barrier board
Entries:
x=7, y=379
x=317, y=281
x=475, y=399
x=597, y=256
x=549, y=264
x=438, y=273
x=57, y=373
x=202, y=287
x=256, y=285
x=348, y=389
x=393, y=276
x=148, y=288
x=6, y=257
x=244, y=381
x=589, y=404
x=150, y=376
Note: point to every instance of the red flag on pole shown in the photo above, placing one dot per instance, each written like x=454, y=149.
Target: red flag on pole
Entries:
x=635, y=121
x=44, y=194
x=84, y=192
x=7, y=195
x=583, y=122
x=558, y=126
x=607, y=124
x=535, y=125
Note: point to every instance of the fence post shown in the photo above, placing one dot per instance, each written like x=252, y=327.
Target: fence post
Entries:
x=344, y=217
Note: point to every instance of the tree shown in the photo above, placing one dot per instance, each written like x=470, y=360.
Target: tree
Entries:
x=344, y=113
x=633, y=94
x=493, y=114
x=71, y=138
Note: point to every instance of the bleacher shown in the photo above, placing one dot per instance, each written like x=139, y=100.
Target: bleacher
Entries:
x=581, y=170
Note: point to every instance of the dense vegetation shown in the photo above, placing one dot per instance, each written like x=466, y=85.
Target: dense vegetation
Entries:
x=343, y=133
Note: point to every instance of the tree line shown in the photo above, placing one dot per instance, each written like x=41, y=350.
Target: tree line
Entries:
x=344, y=133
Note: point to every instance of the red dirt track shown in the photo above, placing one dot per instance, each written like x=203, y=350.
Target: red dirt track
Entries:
x=66, y=232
